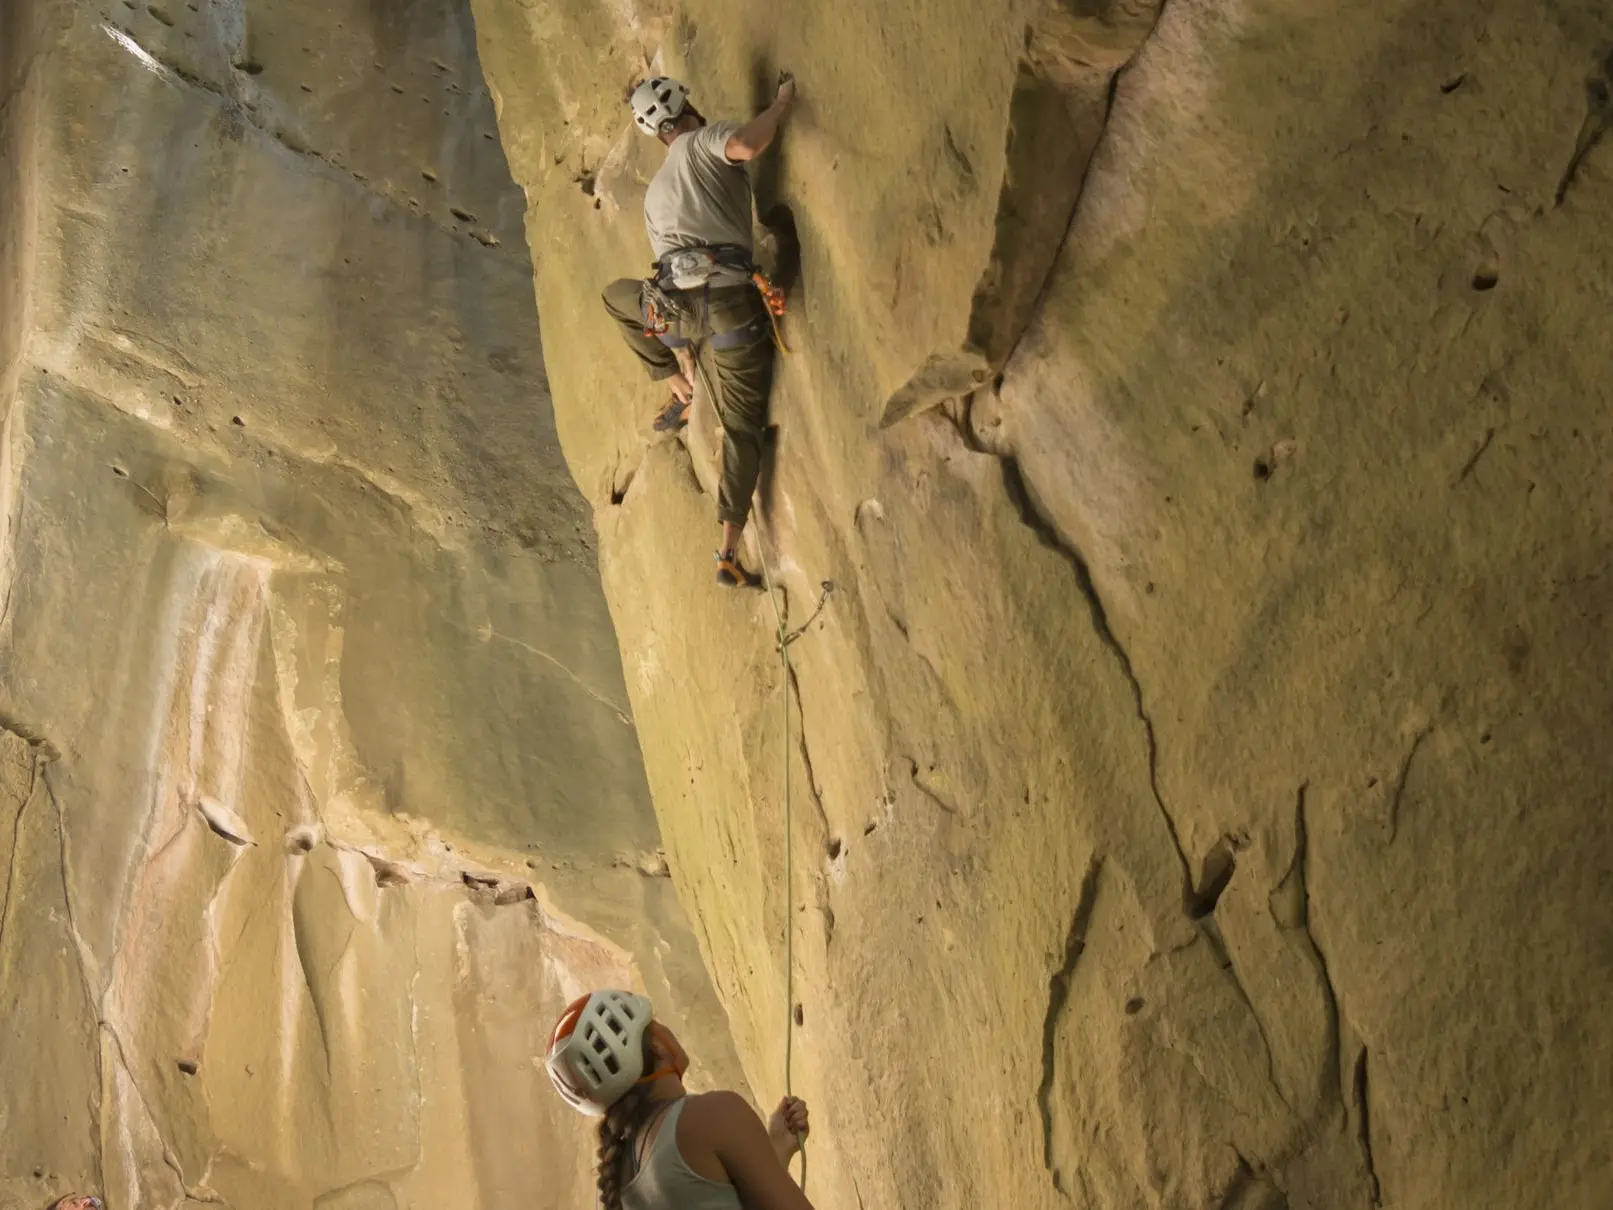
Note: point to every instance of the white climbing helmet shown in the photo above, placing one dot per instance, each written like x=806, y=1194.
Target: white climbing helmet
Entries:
x=657, y=103
x=596, y=1053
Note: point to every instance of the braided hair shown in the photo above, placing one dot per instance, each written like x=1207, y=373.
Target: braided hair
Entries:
x=621, y=1124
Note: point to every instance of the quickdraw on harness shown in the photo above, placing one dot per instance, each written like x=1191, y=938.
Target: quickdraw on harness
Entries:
x=655, y=304
x=773, y=297
x=685, y=270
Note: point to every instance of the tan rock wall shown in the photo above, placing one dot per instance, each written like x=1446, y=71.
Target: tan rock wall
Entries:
x=20, y=41
x=320, y=796
x=1206, y=791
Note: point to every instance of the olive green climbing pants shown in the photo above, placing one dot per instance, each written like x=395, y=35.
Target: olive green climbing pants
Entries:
x=739, y=380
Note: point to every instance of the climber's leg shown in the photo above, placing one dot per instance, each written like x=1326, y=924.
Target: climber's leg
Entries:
x=621, y=300
x=742, y=378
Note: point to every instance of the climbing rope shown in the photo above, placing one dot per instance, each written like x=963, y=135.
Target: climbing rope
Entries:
x=774, y=301
x=785, y=638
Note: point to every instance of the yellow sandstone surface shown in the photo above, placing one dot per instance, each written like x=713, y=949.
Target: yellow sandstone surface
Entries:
x=1202, y=413
x=1200, y=787
x=319, y=795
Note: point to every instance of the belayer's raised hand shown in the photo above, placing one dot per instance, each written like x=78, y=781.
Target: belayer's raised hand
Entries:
x=788, y=1128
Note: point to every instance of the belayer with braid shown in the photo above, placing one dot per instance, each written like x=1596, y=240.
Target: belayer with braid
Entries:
x=661, y=1148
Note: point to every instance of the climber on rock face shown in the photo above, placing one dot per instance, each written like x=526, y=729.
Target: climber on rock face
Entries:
x=705, y=303
x=659, y=1147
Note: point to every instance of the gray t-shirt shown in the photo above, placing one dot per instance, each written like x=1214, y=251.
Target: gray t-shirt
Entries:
x=699, y=197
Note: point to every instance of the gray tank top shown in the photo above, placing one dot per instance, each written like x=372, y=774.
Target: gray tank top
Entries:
x=665, y=1182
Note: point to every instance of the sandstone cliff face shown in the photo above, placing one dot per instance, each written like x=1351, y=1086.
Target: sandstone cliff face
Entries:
x=318, y=790
x=1202, y=415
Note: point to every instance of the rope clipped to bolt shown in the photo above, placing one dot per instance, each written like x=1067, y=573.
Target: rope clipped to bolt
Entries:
x=785, y=638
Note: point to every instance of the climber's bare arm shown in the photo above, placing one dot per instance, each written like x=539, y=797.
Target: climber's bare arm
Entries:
x=757, y=135
x=747, y=1154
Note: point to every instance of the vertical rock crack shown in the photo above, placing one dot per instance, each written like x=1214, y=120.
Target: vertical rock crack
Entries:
x=16, y=846
x=1058, y=995
x=1301, y=869
x=1035, y=519
x=1364, y=1126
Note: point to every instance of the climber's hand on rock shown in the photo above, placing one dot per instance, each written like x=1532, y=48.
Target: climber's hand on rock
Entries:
x=682, y=389
x=786, y=90
x=788, y=1126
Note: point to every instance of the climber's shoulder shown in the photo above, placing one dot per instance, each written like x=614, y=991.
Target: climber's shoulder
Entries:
x=707, y=1127
x=719, y=1120
x=738, y=1141
x=716, y=1110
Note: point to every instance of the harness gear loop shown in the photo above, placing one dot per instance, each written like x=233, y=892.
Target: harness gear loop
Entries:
x=657, y=308
x=773, y=299
x=771, y=294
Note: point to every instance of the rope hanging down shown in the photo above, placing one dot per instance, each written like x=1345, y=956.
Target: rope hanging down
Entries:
x=785, y=638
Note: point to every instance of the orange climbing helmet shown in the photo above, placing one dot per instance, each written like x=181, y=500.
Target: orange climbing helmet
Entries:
x=596, y=1052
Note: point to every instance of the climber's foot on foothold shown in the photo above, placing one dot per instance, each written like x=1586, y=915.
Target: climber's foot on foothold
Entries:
x=731, y=574
x=673, y=417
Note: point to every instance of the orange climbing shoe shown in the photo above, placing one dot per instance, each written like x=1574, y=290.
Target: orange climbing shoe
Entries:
x=731, y=574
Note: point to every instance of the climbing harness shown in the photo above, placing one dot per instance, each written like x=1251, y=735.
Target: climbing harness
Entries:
x=686, y=272
x=701, y=266
x=785, y=638
x=660, y=310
